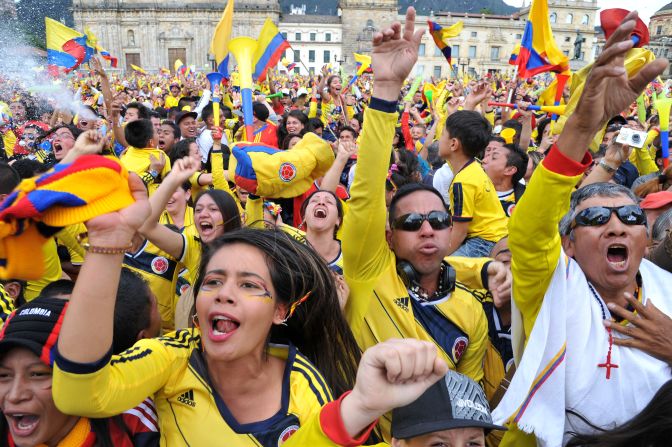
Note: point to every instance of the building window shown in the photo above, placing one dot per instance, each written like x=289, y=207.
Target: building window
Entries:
x=585, y=20
x=421, y=50
x=419, y=70
x=472, y=52
x=437, y=51
x=456, y=51
x=569, y=18
x=494, y=53
x=284, y=35
x=297, y=70
x=659, y=30
x=665, y=54
x=311, y=55
x=327, y=37
x=130, y=38
x=568, y=39
x=327, y=56
x=312, y=37
x=474, y=34
x=472, y=72
x=519, y=36
x=297, y=36
x=553, y=18
x=437, y=71
x=297, y=56
x=566, y=52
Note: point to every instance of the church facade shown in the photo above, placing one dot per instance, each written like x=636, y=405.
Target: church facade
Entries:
x=153, y=34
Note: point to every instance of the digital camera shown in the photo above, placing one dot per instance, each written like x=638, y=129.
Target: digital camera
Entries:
x=631, y=137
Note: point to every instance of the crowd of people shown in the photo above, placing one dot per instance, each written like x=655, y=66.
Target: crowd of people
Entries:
x=416, y=270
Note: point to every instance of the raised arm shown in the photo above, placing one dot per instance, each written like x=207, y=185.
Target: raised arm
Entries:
x=395, y=51
x=546, y=199
x=165, y=238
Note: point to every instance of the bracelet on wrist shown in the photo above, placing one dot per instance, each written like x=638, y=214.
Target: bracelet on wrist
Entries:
x=106, y=250
x=607, y=167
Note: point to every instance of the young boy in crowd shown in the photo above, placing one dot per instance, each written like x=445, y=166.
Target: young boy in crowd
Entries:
x=143, y=156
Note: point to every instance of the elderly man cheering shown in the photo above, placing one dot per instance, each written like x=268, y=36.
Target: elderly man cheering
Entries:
x=585, y=354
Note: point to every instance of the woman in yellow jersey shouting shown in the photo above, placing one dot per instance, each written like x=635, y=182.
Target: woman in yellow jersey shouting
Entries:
x=225, y=381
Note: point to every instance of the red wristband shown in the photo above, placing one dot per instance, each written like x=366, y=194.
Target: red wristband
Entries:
x=559, y=163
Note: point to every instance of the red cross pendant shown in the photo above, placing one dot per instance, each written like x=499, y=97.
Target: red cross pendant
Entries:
x=608, y=365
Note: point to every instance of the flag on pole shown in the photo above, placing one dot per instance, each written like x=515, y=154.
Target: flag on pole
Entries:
x=270, y=47
x=179, y=66
x=538, y=50
x=441, y=36
x=362, y=62
x=513, y=60
x=138, y=69
x=93, y=41
x=219, y=45
x=66, y=48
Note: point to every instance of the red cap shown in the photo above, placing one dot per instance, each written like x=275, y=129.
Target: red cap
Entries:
x=656, y=200
x=612, y=18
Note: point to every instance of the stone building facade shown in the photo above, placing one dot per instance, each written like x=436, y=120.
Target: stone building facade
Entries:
x=153, y=33
x=660, y=29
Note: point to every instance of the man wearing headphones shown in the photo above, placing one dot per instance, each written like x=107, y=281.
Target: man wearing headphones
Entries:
x=400, y=284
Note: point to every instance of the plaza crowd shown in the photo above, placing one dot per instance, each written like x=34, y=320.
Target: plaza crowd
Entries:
x=425, y=269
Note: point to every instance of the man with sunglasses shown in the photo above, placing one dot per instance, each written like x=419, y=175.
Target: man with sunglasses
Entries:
x=400, y=284
x=594, y=314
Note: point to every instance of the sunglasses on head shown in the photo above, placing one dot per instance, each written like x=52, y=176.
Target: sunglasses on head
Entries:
x=438, y=220
x=600, y=215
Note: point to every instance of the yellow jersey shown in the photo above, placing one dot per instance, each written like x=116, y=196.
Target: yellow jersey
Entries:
x=473, y=199
x=161, y=271
x=52, y=270
x=380, y=306
x=173, y=371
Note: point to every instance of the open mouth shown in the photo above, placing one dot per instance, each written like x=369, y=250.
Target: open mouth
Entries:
x=223, y=326
x=162, y=144
x=617, y=255
x=320, y=213
x=23, y=424
x=57, y=148
x=206, y=226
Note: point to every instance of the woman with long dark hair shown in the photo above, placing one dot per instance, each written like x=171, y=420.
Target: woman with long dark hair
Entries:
x=268, y=347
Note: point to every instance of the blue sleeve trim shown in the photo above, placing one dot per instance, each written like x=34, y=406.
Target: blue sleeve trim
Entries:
x=81, y=368
x=383, y=105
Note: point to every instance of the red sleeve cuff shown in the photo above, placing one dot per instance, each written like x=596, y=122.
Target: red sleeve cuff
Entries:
x=332, y=425
x=559, y=163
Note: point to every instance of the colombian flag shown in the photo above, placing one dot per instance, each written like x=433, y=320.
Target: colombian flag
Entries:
x=219, y=46
x=538, y=51
x=93, y=41
x=66, y=48
x=513, y=60
x=270, y=47
x=441, y=36
x=138, y=69
x=362, y=62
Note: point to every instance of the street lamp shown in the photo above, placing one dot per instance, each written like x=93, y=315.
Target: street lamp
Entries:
x=464, y=62
x=340, y=61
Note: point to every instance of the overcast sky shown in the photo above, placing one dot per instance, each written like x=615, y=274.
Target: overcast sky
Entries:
x=646, y=7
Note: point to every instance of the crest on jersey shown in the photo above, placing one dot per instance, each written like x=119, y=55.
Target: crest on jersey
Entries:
x=159, y=265
x=287, y=172
x=287, y=433
x=459, y=347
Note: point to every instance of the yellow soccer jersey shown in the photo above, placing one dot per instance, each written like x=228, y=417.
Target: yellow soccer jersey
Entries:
x=508, y=201
x=166, y=219
x=52, y=271
x=161, y=271
x=172, y=101
x=6, y=305
x=138, y=161
x=191, y=254
x=379, y=307
x=473, y=199
x=68, y=238
x=173, y=371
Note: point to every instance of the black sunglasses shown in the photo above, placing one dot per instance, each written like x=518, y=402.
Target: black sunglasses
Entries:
x=600, y=215
x=438, y=220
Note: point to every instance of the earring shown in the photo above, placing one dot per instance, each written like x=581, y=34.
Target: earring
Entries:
x=194, y=320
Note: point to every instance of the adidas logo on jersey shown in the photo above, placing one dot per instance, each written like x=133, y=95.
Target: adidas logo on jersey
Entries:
x=402, y=303
x=187, y=398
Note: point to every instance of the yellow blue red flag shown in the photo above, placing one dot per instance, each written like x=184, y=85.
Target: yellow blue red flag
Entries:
x=219, y=45
x=538, y=50
x=66, y=48
x=441, y=36
x=270, y=47
x=513, y=60
x=93, y=41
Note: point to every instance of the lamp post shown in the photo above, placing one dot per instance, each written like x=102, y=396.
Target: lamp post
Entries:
x=342, y=61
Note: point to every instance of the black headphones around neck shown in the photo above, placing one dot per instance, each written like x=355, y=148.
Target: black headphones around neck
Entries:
x=411, y=278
